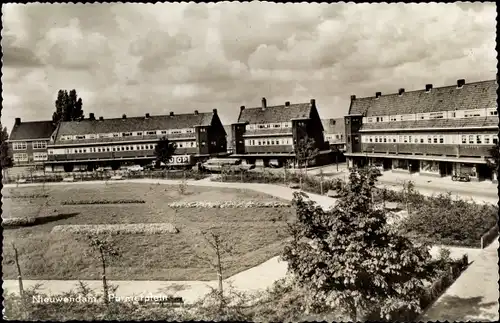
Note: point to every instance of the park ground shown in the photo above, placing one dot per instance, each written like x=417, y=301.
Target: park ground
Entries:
x=475, y=292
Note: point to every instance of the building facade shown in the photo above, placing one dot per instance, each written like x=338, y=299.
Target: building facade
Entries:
x=334, y=132
x=91, y=143
x=28, y=142
x=269, y=134
x=434, y=131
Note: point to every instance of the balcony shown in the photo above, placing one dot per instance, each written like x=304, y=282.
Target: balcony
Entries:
x=428, y=149
x=269, y=149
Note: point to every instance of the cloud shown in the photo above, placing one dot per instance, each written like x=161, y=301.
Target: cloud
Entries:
x=131, y=58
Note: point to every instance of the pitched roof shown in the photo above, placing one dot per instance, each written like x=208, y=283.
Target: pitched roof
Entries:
x=162, y=122
x=471, y=96
x=435, y=123
x=32, y=130
x=277, y=113
x=336, y=125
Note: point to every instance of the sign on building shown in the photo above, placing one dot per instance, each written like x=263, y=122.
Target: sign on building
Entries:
x=180, y=160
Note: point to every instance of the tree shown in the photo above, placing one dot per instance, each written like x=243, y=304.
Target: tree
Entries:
x=351, y=258
x=492, y=160
x=5, y=159
x=105, y=251
x=306, y=151
x=164, y=150
x=68, y=107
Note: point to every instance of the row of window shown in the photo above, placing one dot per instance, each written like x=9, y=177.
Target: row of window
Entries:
x=129, y=134
x=22, y=145
x=23, y=157
x=433, y=139
x=268, y=142
x=81, y=150
x=434, y=115
x=269, y=125
x=338, y=136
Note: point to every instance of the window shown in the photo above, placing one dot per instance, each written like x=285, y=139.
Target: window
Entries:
x=495, y=139
x=394, y=139
x=356, y=139
x=150, y=132
x=127, y=147
x=478, y=139
x=416, y=140
x=409, y=139
x=91, y=136
x=79, y=137
x=126, y=134
x=267, y=142
x=19, y=145
x=66, y=137
x=277, y=125
x=421, y=140
x=98, y=150
x=272, y=142
x=258, y=142
x=441, y=139
x=22, y=157
x=132, y=147
x=493, y=113
x=378, y=119
x=40, y=156
x=116, y=135
x=163, y=132
x=472, y=113
x=487, y=139
x=107, y=148
x=114, y=148
x=180, y=145
x=464, y=139
x=471, y=139
x=371, y=139
x=376, y=139
x=405, y=138
x=203, y=143
x=370, y=119
x=39, y=145
x=453, y=114
x=394, y=118
x=139, y=134
x=429, y=139
x=436, y=115
x=385, y=139
x=435, y=139
x=421, y=116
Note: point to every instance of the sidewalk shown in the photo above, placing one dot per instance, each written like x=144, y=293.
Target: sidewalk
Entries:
x=474, y=295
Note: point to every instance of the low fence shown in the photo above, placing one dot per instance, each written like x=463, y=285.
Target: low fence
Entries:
x=104, y=176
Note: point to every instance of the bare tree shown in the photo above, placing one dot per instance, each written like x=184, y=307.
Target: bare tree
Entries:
x=19, y=275
x=103, y=250
x=219, y=247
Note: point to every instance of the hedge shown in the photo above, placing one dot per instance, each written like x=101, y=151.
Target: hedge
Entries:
x=228, y=204
x=86, y=202
x=115, y=229
x=26, y=222
x=34, y=196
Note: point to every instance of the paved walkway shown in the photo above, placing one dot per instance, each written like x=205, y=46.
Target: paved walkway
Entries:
x=474, y=295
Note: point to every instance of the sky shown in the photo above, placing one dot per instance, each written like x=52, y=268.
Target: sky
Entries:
x=180, y=57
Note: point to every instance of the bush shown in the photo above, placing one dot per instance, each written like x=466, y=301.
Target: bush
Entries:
x=34, y=196
x=86, y=202
x=115, y=229
x=443, y=220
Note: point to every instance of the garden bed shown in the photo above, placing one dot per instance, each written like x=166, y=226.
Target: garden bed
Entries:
x=114, y=229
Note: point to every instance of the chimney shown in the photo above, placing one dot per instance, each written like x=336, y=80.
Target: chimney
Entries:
x=91, y=116
x=196, y=112
x=171, y=114
x=428, y=87
x=460, y=83
x=242, y=108
x=18, y=122
x=313, y=102
x=215, y=111
x=147, y=115
x=378, y=94
x=353, y=97
x=287, y=103
x=264, y=103
x=124, y=116
x=401, y=91
x=101, y=118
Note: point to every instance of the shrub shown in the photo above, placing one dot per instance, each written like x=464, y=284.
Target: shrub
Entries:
x=228, y=204
x=115, y=229
x=26, y=222
x=443, y=220
x=34, y=196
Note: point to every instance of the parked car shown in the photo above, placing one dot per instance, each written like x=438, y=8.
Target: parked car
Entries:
x=218, y=164
x=461, y=178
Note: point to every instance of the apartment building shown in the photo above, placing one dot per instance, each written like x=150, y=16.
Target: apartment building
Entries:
x=269, y=134
x=91, y=143
x=433, y=131
x=28, y=142
x=334, y=132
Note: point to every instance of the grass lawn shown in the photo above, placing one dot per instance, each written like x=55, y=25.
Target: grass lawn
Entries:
x=255, y=234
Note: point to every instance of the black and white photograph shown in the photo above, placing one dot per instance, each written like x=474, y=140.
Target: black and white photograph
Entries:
x=250, y=161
